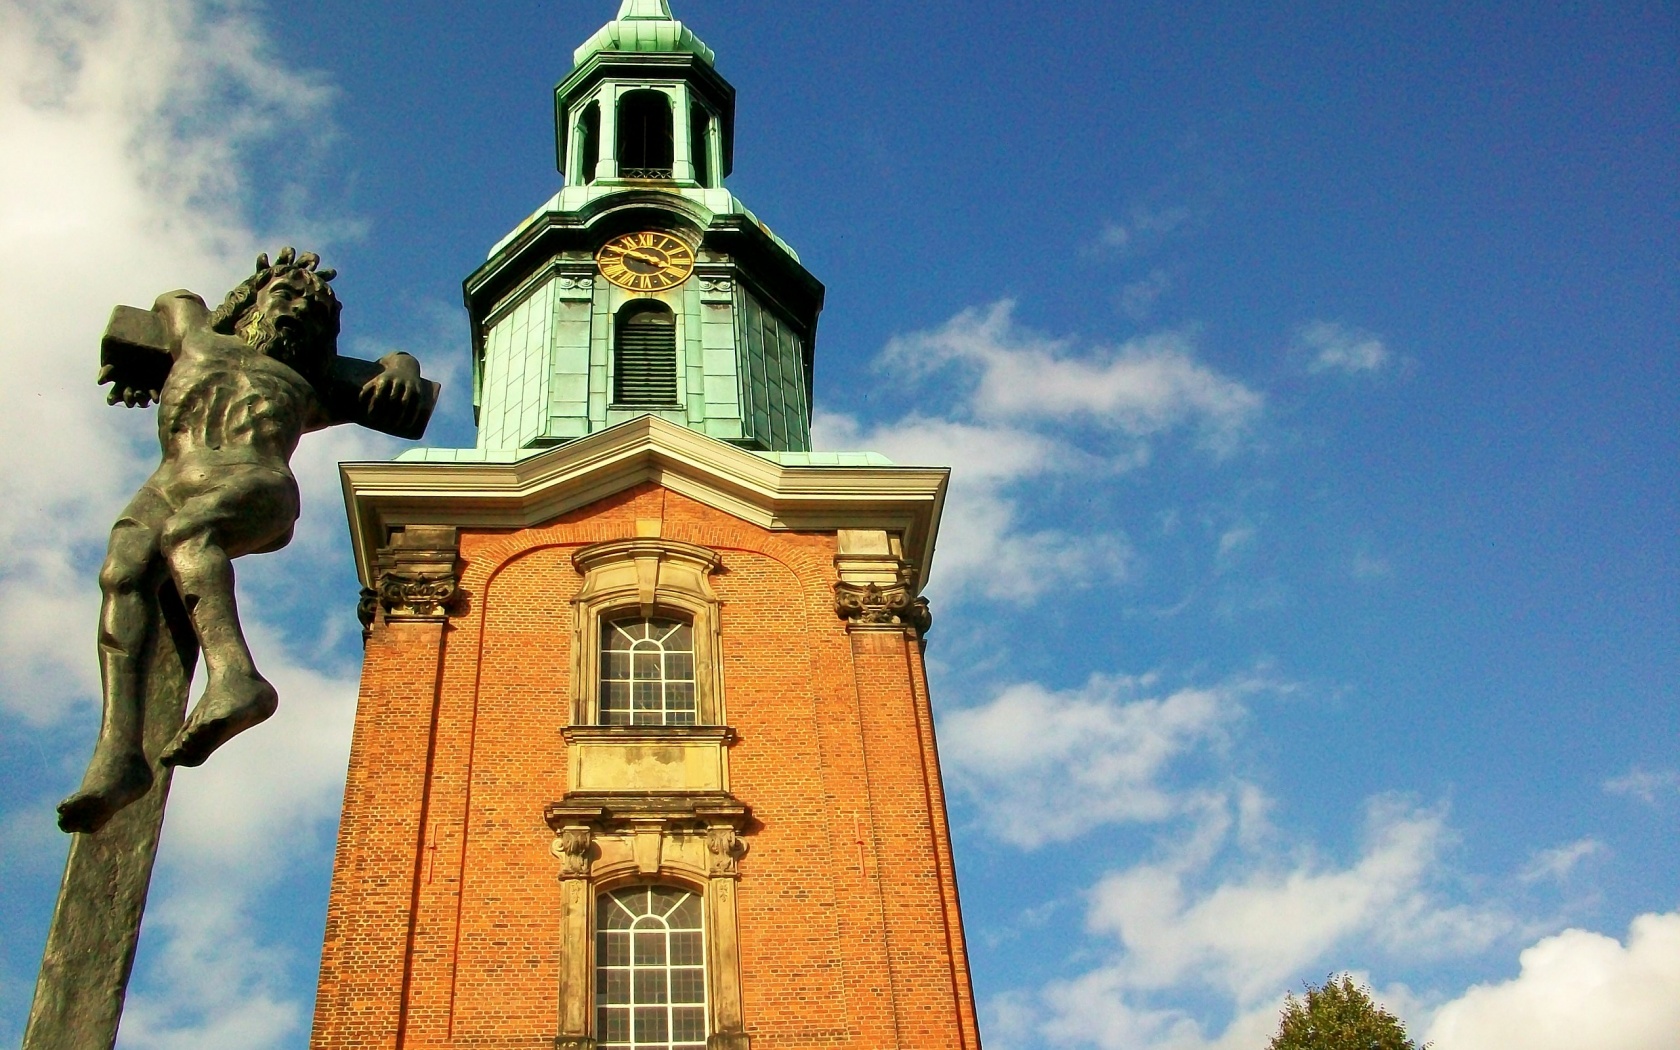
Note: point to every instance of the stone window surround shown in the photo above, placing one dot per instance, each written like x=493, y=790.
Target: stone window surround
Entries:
x=646, y=576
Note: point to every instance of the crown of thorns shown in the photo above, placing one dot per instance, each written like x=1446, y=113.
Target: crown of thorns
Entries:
x=288, y=260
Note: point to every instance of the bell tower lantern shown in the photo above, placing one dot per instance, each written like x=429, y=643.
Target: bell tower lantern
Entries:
x=643, y=286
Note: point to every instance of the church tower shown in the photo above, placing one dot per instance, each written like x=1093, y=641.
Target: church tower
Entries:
x=643, y=755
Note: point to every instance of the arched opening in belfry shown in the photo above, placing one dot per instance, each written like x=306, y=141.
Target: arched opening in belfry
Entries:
x=645, y=136
x=589, y=142
x=645, y=367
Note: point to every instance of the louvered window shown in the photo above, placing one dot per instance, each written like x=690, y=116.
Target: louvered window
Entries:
x=646, y=366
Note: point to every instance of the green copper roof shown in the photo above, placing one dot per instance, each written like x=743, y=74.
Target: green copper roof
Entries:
x=643, y=25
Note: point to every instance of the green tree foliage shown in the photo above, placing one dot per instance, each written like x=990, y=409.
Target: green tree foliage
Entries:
x=1339, y=1016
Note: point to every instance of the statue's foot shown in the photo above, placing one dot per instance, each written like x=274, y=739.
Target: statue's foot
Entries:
x=113, y=780
x=232, y=703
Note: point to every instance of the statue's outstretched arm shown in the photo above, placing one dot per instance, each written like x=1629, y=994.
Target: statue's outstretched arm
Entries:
x=139, y=346
x=389, y=395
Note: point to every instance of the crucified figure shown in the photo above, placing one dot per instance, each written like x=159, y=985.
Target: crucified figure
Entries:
x=236, y=388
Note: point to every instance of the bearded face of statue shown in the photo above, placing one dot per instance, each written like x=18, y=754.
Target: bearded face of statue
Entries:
x=289, y=321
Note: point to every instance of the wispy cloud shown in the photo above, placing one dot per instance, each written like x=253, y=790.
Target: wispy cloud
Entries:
x=1559, y=861
x=1329, y=346
x=1138, y=298
x=1101, y=754
x=1244, y=929
x=1647, y=785
x=1248, y=935
x=987, y=545
x=1144, y=227
x=1142, y=387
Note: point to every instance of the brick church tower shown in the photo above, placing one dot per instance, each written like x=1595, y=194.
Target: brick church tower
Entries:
x=643, y=755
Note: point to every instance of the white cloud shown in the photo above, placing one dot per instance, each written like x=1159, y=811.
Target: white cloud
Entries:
x=1577, y=989
x=1648, y=786
x=1097, y=1010
x=1334, y=347
x=1182, y=932
x=1096, y=755
x=1249, y=935
x=1141, y=388
x=224, y=986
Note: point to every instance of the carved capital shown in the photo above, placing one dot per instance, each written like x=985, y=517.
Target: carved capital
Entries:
x=726, y=849
x=417, y=597
x=574, y=1042
x=872, y=605
x=415, y=573
x=572, y=846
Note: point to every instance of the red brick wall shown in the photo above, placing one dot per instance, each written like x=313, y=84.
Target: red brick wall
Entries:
x=442, y=928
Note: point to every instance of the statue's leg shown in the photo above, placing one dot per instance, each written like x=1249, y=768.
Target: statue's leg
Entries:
x=199, y=543
x=119, y=772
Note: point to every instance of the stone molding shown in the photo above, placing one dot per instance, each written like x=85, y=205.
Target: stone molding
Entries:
x=905, y=501
x=404, y=597
x=727, y=848
x=572, y=845
x=648, y=758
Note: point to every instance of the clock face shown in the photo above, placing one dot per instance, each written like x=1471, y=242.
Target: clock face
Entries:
x=645, y=262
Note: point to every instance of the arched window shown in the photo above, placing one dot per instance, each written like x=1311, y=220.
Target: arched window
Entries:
x=647, y=673
x=650, y=970
x=645, y=375
x=644, y=135
x=589, y=142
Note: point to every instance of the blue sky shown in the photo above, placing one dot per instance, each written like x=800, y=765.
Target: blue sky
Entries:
x=1306, y=599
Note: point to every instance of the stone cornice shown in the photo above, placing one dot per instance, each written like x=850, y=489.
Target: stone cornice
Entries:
x=381, y=497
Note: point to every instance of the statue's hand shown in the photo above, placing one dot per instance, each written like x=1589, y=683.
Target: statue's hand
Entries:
x=397, y=395
x=132, y=396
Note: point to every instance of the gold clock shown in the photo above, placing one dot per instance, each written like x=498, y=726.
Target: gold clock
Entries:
x=645, y=262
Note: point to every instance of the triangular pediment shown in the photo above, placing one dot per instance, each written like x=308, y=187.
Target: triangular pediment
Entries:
x=381, y=497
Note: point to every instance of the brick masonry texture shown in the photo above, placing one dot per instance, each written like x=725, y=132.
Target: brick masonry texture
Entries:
x=442, y=925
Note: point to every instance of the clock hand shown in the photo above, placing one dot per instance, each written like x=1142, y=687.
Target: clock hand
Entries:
x=652, y=260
